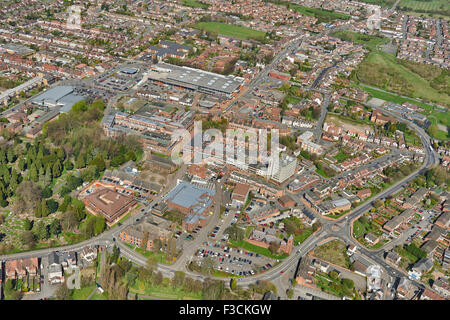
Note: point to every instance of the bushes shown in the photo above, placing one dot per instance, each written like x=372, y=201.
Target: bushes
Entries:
x=415, y=251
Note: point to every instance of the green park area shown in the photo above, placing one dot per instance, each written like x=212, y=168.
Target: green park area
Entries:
x=231, y=30
x=195, y=4
x=429, y=8
x=322, y=15
x=383, y=70
x=381, y=3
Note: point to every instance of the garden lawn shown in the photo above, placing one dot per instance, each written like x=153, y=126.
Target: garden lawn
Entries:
x=83, y=292
x=322, y=173
x=341, y=156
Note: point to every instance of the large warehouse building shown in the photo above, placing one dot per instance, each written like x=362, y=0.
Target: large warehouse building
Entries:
x=195, y=79
x=60, y=96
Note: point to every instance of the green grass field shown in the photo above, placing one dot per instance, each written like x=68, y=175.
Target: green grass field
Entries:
x=436, y=8
x=83, y=292
x=382, y=70
x=393, y=97
x=163, y=291
x=195, y=4
x=385, y=71
x=321, y=15
x=382, y=3
x=369, y=41
x=251, y=247
x=322, y=173
x=358, y=229
x=231, y=30
x=303, y=236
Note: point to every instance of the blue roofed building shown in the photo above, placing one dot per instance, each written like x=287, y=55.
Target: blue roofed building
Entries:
x=193, y=201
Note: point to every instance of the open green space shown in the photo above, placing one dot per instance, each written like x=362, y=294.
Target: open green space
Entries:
x=231, y=30
x=369, y=41
x=383, y=70
x=381, y=3
x=375, y=93
x=358, y=229
x=431, y=8
x=303, y=236
x=163, y=291
x=404, y=77
x=159, y=256
x=83, y=292
x=434, y=116
x=322, y=172
x=260, y=250
x=195, y=4
x=333, y=252
x=322, y=15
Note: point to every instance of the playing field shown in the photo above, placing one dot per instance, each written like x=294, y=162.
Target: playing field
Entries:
x=382, y=3
x=195, y=4
x=381, y=69
x=321, y=15
x=231, y=30
x=430, y=7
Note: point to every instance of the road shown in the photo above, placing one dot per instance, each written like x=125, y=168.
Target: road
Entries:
x=323, y=114
x=262, y=75
x=282, y=273
x=392, y=9
x=287, y=265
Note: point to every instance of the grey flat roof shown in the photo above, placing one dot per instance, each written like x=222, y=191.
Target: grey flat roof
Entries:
x=195, y=78
x=17, y=48
x=53, y=94
x=61, y=96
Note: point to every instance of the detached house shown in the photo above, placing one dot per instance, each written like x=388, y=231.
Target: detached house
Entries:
x=55, y=270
